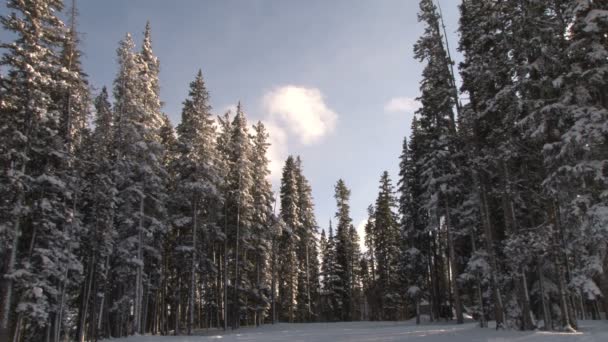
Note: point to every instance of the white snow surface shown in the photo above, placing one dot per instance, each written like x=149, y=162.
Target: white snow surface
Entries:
x=589, y=331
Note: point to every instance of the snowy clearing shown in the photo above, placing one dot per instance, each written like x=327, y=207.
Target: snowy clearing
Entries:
x=591, y=331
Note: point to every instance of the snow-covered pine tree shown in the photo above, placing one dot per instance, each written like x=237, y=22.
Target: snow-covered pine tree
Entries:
x=97, y=205
x=74, y=98
x=223, y=148
x=582, y=149
x=157, y=197
x=35, y=161
x=484, y=73
x=141, y=187
x=355, y=266
x=413, y=253
x=73, y=101
x=566, y=113
x=437, y=126
x=239, y=207
x=467, y=217
x=371, y=288
x=195, y=195
x=343, y=247
x=306, y=248
x=523, y=39
x=322, y=305
x=386, y=241
x=288, y=264
x=263, y=219
x=331, y=298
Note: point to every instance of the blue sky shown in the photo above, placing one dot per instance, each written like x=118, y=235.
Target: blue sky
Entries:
x=333, y=78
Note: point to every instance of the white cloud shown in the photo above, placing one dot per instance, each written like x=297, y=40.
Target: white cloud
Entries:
x=402, y=104
x=361, y=232
x=302, y=110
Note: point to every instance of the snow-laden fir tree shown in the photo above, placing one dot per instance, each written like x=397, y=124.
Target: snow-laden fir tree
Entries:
x=37, y=207
x=343, y=252
x=413, y=244
x=370, y=287
x=97, y=205
x=239, y=205
x=141, y=186
x=331, y=297
x=386, y=249
x=263, y=220
x=196, y=198
x=437, y=130
x=288, y=264
x=306, y=249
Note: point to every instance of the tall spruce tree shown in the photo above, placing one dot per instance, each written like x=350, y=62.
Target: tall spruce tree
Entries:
x=263, y=219
x=196, y=191
x=141, y=185
x=306, y=249
x=239, y=200
x=386, y=249
x=98, y=205
x=343, y=247
x=288, y=267
x=38, y=206
x=437, y=127
x=331, y=297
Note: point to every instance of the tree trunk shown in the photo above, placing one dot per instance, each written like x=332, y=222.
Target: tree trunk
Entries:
x=225, y=268
x=548, y=323
x=7, y=282
x=564, y=305
x=236, y=312
x=273, y=280
x=417, y=309
x=452, y=258
x=139, y=276
x=498, y=305
x=512, y=227
x=84, y=302
x=192, y=270
x=308, y=285
x=478, y=289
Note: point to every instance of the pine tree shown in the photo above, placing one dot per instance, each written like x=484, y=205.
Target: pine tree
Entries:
x=437, y=126
x=413, y=253
x=306, y=249
x=386, y=239
x=343, y=247
x=223, y=148
x=372, y=295
x=582, y=149
x=196, y=194
x=287, y=242
x=239, y=209
x=141, y=183
x=481, y=90
x=332, y=298
x=97, y=204
x=35, y=159
x=262, y=221
x=356, y=282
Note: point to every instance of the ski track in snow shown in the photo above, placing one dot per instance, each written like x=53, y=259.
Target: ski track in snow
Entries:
x=590, y=331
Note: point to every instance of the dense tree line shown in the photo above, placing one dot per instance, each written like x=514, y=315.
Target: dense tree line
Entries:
x=502, y=198
x=113, y=222
x=500, y=210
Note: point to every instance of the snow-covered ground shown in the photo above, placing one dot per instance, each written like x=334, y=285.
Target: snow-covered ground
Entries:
x=590, y=331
